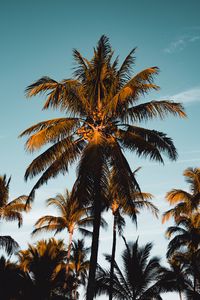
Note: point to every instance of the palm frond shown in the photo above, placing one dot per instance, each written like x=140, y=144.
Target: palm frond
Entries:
x=154, y=109
x=174, y=196
x=61, y=150
x=124, y=71
x=138, y=144
x=9, y=244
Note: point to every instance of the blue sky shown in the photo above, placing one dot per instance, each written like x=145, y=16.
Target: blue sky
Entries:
x=37, y=38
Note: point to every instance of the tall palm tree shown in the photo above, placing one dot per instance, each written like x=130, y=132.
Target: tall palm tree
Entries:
x=122, y=207
x=10, y=211
x=45, y=262
x=79, y=265
x=102, y=116
x=185, y=202
x=71, y=217
x=137, y=280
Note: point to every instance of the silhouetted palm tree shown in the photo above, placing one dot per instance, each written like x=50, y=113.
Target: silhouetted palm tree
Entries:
x=12, y=281
x=123, y=207
x=186, y=234
x=45, y=262
x=100, y=105
x=79, y=265
x=175, y=278
x=137, y=279
x=71, y=217
x=186, y=202
x=10, y=211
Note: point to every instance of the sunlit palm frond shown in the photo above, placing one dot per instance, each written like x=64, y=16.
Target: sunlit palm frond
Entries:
x=4, y=190
x=61, y=150
x=45, y=132
x=174, y=196
x=11, y=215
x=192, y=176
x=41, y=86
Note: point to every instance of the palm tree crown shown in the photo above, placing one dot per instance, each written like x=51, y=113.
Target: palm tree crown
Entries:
x=185, y=202
x=101, y=106
x=10, y=211
x=138, y=278
x=45, y=263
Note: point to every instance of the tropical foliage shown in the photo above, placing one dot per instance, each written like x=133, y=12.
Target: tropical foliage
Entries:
x=185, y=202
x=137, y=280
x=102, y=117
x=10, y=211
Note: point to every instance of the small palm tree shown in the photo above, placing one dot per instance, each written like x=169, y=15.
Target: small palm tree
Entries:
x=137, y=280
x=45, y=263
x=175, y=278
x=71, y=217
x=186, y=234
x=185, y=202
x=10, y=211
x=102, y=117
x=124, y=207
x=190, y=260
x=12, y=280
x=79, y=265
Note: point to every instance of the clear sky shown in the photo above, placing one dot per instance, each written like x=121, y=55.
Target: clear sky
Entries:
x=37, y=38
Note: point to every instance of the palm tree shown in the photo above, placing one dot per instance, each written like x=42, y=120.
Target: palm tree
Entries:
x=175, y=278
x=11, y=278
x=190, y=260
x=186, y=234
x=101, y=117
x=124, y=207
x=79, y=265
x=45, y=262
x=184, y=247
x=137, y=280
x=186, y=202
x=10, y=211
x=71, y=217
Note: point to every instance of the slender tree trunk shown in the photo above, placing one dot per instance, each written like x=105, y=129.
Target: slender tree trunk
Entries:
x=69, y=250
x=113, y=257
x=94, y=247
x=180, y=295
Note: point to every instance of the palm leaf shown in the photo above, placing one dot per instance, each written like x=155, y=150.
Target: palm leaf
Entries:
x=9, y=244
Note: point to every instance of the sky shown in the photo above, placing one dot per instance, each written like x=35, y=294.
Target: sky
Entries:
x=37, y=39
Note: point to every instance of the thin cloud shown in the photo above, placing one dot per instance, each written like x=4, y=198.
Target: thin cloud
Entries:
x=187, y=96
x=181, y=43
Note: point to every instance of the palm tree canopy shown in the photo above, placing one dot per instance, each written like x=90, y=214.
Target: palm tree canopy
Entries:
x=79, y=264
x=71, y=216
x=45, y=264
x=102, y=116
x=185, y=202
x=186, y=234
x=10, y=211
x=137, y=279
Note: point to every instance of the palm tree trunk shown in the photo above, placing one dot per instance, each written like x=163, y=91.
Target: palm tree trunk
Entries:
x=94, y=247
x=113, y=257
x=69, y=250
x=180, y=295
